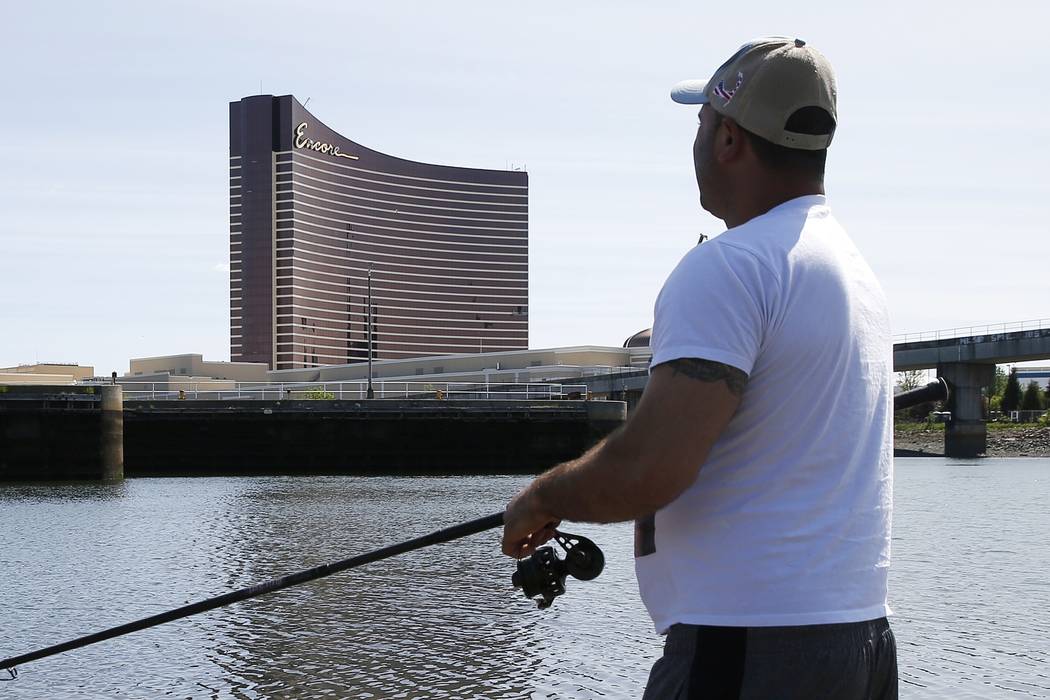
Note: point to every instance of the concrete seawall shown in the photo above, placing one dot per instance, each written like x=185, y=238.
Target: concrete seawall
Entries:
x=61, y=432
x=350, y=437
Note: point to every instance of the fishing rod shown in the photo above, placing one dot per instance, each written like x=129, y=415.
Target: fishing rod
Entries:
x=543, y=574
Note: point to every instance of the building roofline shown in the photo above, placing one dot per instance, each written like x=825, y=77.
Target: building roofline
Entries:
x=387, y=155
x=468, y=355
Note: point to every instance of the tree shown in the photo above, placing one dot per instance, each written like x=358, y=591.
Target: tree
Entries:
x=998, y=385
x=1012, y=393
x=910, y=379
x=1033, y=399
x=994, y=392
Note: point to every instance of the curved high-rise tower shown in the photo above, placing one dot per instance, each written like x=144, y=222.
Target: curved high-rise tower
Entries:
x=311, y=212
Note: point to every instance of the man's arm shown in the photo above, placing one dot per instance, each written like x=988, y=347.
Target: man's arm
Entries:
x=641, y=467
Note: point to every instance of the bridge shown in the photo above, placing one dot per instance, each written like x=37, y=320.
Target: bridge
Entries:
x=1002, y=343
x=965, y=357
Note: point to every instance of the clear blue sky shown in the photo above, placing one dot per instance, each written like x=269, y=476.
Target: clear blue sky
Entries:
x=114, y=234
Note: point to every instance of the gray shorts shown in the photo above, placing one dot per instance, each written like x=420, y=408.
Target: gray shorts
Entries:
x=851, y=660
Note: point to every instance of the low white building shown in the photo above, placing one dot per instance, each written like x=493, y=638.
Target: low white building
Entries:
x=190, y=373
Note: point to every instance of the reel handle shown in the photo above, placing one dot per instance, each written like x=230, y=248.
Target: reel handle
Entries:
x=543, y=574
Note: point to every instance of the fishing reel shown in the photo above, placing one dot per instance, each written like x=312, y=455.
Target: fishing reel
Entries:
x=543, y=574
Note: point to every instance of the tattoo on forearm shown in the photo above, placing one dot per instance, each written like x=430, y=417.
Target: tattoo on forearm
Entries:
x=708, y=371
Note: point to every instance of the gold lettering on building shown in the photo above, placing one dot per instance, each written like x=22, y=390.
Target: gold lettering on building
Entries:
x=303, y=141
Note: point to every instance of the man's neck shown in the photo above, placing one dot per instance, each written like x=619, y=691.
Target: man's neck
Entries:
x=758, y=201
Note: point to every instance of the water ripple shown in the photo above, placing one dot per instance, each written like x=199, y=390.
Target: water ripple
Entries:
x=968, y=583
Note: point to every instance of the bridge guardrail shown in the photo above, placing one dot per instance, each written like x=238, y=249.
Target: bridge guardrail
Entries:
x=963, y=332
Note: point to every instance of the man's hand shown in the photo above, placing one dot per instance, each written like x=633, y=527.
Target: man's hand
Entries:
x=640, y=467
x=525, y=525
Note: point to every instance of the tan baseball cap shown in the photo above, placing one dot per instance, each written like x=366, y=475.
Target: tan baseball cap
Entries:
x=763, y=84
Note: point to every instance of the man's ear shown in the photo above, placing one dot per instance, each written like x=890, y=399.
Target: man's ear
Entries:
x=729, y=141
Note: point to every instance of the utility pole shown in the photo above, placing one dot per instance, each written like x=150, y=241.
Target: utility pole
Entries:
x=370, y=393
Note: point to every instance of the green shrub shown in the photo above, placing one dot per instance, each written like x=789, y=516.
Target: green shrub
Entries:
x=1012, y=393
x=1033, y=398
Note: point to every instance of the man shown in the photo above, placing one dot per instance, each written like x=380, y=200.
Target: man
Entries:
x=758, y=464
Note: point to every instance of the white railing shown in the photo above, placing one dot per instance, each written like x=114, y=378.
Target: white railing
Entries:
x=1026, y=416
x=221, y=390
x=964, y=332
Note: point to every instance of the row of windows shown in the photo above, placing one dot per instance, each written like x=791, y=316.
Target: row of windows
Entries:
x=365, y=244
x=347, y=171
x=344, y=217
x=373, y=252
x=284, y=334
x=428, y=348
x=384, y=336
x=342, y=244
x=289, y=359
x=329, y=279
x=397, y=260
x=469, y=277
x=440, y=286
x=288, y=191
x=300, y=286
x=303, y=270
x=289, y=317
x=359, y=329
x=344, y=228
x=301, y=184
x=298, y=183
x=301, y=189
x=436, y=309
x=299, y=155
x=385, y=295
x=356, y=314
x=422, y=300
x=354, y=325
x=395, y=297
x=355, y=220
x=395, y=192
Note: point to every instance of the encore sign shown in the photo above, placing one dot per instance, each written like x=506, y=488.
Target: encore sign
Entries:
x=301, y=141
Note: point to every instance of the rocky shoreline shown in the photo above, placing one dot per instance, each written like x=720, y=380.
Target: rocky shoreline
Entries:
x=1017, y=440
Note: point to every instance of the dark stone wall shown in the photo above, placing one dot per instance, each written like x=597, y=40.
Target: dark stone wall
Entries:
x=59, y=433
x=360, y=437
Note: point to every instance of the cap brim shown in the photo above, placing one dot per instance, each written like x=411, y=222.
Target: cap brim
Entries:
x=690, y=92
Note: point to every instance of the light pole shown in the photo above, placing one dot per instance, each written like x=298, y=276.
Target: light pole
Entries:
x=370, y=393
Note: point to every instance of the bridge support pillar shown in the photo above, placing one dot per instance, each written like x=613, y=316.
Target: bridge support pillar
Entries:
x=966, y=434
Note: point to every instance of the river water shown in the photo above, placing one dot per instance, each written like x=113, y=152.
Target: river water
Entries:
x=970, y=588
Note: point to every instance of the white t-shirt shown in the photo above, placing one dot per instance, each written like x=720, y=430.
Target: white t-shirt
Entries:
x=788, y=521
